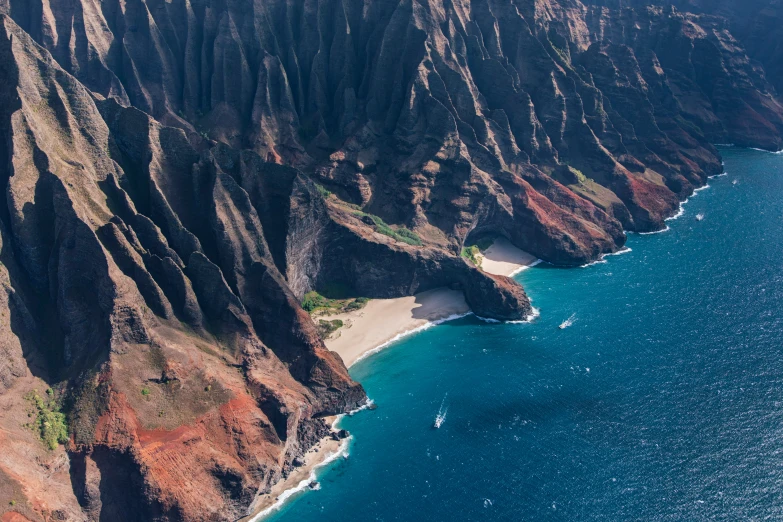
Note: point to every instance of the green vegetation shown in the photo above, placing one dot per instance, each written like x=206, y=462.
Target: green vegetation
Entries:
x=12, y=503
x=484, y=243
x=145, y=391
x=472, y=254
x=327, y=328
x=578, y=173
x=323, y=191
x=49, y=422
x=400, y=234
x=208, y=388
x=314, y=302
x=356, y=304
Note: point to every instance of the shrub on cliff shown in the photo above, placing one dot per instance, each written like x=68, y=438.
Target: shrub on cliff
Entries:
x=50, y=422
x=472, y=254
x=400, y=234
x=324, y=192
x=313, y=300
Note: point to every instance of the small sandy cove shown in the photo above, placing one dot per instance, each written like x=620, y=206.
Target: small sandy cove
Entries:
x=372, y=328
x=384, y=320
x=503, y=258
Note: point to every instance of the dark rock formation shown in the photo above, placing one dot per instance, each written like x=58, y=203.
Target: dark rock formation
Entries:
x=178, y=174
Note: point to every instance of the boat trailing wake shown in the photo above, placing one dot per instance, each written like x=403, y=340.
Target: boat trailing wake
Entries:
x=568, y=322
x=440, y=418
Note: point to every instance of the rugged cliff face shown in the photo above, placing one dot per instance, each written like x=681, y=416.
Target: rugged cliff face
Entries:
x=178, y=173
x=756, y=24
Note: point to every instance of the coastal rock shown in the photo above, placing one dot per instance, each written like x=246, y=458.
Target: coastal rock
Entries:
x=177, y=176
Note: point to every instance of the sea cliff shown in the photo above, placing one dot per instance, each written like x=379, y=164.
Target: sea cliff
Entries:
x=179, y=174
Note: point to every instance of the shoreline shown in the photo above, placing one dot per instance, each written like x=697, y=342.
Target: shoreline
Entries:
x=403, y=317
x=384, y=321
x=381, y=323
x=326, y=451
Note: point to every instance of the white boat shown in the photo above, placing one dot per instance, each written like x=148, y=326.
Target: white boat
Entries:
x=699, y=216
x=735, y=182
x=568, y=322
x=440, y=418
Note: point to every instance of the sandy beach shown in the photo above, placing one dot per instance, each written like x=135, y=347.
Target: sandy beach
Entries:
x=503, y=258
x=384, y=320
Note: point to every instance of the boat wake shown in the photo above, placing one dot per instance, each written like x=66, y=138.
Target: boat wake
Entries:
x=440, y=418
x=568, y=322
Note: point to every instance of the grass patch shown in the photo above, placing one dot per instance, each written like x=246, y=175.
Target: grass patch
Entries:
x=315, y=303
x=578, y=173
x=323, y=191
x=327, y=328
x=145, y=391
x=401, y=234
x=50, y=423
x=472, y=254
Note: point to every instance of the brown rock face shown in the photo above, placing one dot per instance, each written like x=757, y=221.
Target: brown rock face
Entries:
x=178, y=174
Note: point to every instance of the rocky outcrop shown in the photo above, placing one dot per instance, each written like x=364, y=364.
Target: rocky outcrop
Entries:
x=177, y=175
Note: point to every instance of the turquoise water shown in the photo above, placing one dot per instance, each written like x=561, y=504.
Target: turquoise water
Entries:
x=663, y=401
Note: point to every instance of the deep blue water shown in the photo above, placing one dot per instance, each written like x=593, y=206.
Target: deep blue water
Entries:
x=663, y=402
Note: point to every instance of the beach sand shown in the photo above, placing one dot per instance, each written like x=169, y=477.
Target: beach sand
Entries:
x=503, y=258
x=381, y=320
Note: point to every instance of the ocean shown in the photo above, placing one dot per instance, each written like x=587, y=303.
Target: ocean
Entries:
x=663, y=401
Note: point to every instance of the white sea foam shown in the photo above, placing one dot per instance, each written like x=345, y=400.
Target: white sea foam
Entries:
x=724, y=173
x=696, y=191
x=591, y=263
x=679, y=213
x=534, y=313
x=768, y=151
x=305, y=483
x=487, y=319
x=523, y=268
x=619, y=252
x=655, y=231
x=367, y=404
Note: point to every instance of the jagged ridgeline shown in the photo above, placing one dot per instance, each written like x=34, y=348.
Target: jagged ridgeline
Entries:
x=178, y=174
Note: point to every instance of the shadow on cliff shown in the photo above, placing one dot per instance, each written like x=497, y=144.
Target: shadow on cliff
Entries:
x=108, y=486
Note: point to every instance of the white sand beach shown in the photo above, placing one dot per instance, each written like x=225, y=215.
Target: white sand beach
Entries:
x=381, y=320
x=503, y=258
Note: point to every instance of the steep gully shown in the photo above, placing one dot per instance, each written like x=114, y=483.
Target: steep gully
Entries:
x=179, y=173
